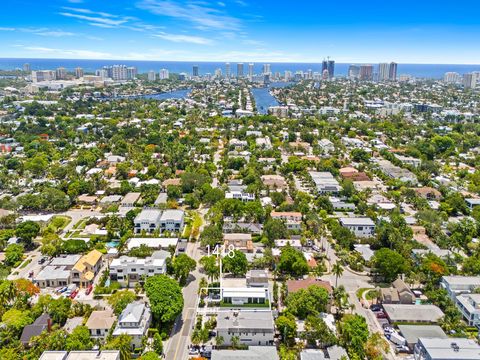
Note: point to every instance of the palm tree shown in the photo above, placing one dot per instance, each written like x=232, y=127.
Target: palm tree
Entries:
x=8, y=292
x=337, y=270
x=235, y=340
x=219, y=340
x=202, y=286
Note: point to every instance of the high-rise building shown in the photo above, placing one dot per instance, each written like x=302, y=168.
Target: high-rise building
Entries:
x=470, y=80
x=353, y=72
x=288, y=75
x=250, y=71
x=182, y=76
x=383, y=72
x=298, y=75
x=309, y=74
x=324, y=65
x=451, y=77
x=331, y=69
x=195, y=71
x=131, y=72
x=164, y=74
x=103, y=73
x=43, y=75
x=78, y=72
x=218, y=73
x=228, y=70
x=152, y=76
x=266, y=69
x=392, y=71
x=26, y=67
x=117, y=72
x=61, y=73
x=240, y=70
x=366, y=72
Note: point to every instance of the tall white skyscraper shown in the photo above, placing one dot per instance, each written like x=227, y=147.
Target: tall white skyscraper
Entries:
x=152, y=76
x=78, y=72
x=451, y=77
x=218, y=73
x=383, y=71
x=164, y=74
x=240, y=70
x=470, y=80
x=250, y=71
x=228, y=71
x=61, y=73
x=266, y=69
x=288, y=75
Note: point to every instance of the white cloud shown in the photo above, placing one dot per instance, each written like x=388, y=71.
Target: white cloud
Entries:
x=184, y=38
x=7, y=29
x=196, y=13
x=53, y=33
x=96, y=20
x=67, y=53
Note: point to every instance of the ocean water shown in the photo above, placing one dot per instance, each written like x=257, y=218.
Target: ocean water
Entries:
x=434, y=71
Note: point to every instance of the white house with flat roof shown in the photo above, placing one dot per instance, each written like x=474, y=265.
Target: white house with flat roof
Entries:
x=247, y=295
x=130, y=270
x=153, y=243
x=172, y=220
x=359, y=226
x=446, y=349
x=148, y=220
x=81, y=355
x=456, y=285
x=325, y=183
x=469, y=306
x=471, y=203
x=251, y=327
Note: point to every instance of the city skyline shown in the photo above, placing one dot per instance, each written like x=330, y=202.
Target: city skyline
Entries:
x=240, y=31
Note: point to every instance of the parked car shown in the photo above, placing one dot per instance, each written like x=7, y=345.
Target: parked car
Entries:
x=89, y=290
x=70, y=289
x=42, y=260
x=402, y=349
x=376, y=307
x=74, y=293
x=30, y=274
x=62, y=289
x=381, y=315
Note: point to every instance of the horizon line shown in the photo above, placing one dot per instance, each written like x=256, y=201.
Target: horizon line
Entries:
x=235, y=61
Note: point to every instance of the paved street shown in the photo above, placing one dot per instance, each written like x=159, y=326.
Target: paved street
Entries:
x=78, y=215
x=32, y=266
x=176, y=348
x=352, y=282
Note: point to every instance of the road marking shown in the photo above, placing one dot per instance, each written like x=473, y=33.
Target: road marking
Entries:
x=180, y=337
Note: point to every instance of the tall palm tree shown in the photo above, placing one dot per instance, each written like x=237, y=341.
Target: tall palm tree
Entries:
x=337, y=270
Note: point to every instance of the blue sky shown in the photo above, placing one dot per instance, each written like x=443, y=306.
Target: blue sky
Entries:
x=421, y=31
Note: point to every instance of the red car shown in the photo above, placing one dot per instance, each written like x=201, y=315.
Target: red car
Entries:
x=381, y=315
x=74, y=293
x=89, y=290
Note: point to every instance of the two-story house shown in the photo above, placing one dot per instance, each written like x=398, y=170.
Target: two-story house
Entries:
x=130, y=270
x=292, y=219
x=99, y=323
x=134, y=321
x=172, y=220
x=148, y=220
x=87, y=268
x=251, y=327
x=359, y=226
